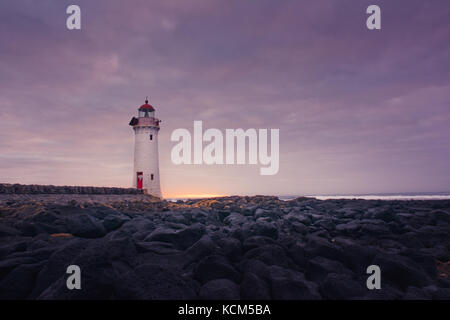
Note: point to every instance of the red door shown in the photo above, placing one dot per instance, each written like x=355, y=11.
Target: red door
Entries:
x=140, y=178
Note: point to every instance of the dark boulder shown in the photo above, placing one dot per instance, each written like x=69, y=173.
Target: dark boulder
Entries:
x=113, y=222
x=199, y=250
x=8, y=264
x=414, y=293
x=341, y=286
x=96, y=284
x=19, y=283
x=85, y=226
x=349, y=227
x=215, y=267
x=401, y=271
x=219, y=289
x=299, y=227
x=256, y=241
x=318, y=246
x=355, y=256
x=235, y=219
x=183, y=238
x=320, y=267
x=254, y=288
x=57, y=264
x=154, y=282
x=230, y=247
x=437, y=293
x=162, y=248
x=270, y=254
x=255, y=266
x=263, y=228
x=288, y=284
x=6, y=231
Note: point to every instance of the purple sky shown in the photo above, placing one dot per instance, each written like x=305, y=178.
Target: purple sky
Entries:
x=359, y=111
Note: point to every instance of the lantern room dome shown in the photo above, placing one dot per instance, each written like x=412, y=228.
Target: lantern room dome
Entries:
x=147, y=106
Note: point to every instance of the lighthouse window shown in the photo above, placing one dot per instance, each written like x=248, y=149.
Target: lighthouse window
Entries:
x=151, y=137
x=151, y=176
x=146, y=114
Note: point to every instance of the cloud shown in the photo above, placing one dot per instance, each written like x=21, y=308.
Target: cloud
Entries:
x=357, y=110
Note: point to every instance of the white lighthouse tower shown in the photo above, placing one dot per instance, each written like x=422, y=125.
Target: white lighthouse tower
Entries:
x=146, y=163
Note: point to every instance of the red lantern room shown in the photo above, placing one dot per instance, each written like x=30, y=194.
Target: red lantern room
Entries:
x=146, y=110
x=146, y=116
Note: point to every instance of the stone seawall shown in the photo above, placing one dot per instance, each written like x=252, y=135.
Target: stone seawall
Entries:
x=13, y=193
x=49, y=189
x=63, y=199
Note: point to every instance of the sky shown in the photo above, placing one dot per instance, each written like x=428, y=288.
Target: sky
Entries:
x=359, y=111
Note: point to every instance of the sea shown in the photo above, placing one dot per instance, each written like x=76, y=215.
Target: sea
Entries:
x=377, y=196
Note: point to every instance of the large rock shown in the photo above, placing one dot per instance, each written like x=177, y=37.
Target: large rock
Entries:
x=154, y=282
x=215, y=267
x=298, y=254
x=20, y=282
x=176, y=217
x=137, y=225
x=374, y=229
x=255, y=266
x=320, y=267
x=254, y=288
x=385, y=213
x=341, y=286
x=318, y=246
x=12, y=246
x=199, y=250
x=97, y=282
x=113, y=222
x=414, y=293
x=441, y=216
x=235, y=219
x=270, y=254
x=401, y=271
x=297, y=217
x=7, y=265
x=183, y=238
x=325, y=223
x=8, y=231
x=162, y=248
x=85, y=226
x=437, y=293
x=230, y=247
x=291, y=285
x=426, y=261
x=262, y=228
x=299, y=227
x=101, y=264
x=257, y=241
x=349, y=227
x=355, y=256
x=219, y=289
x=57, y=264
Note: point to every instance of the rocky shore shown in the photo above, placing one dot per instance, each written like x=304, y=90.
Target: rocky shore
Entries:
x=224, y=248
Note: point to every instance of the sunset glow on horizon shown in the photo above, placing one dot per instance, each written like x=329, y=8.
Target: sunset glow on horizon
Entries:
x=193, y=196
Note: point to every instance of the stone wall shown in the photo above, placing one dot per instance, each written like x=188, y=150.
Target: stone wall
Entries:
x=64, y=199
x=49, y=189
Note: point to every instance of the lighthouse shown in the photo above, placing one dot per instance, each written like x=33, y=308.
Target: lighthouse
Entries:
x=146, y=162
